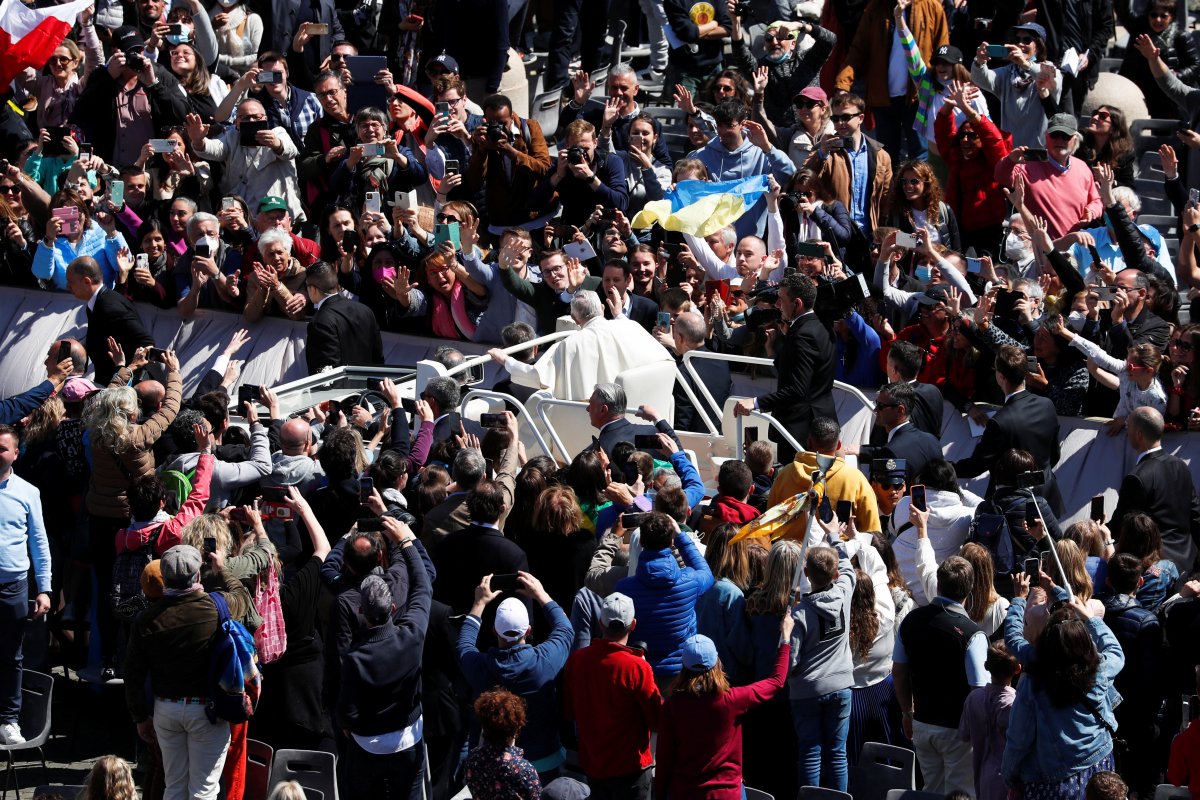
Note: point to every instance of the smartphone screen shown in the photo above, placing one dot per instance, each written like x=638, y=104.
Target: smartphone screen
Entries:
x=210, y=544
x=917, y=495
x=1033, y=568
x=366, y=486
x=825, y=510
x=844, y=509
x=1097, y=510
x=646, y=441
x=997, y=51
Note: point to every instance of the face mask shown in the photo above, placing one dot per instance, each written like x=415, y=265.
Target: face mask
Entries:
x=228, y=3
x=923, y=274
x=185, y=36
x=1076, y=320
x=1015, y=247
x=211, y=243
x=380, y=274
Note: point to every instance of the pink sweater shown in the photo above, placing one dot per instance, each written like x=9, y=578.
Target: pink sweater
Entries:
x=1062, y=198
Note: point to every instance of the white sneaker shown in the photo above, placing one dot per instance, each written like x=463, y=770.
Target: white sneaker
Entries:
x=10, y=733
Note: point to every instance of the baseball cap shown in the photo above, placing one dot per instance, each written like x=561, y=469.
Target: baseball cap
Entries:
x=889, y=471
x=127, y=38
x=76, y=389
x=1063, y=123
x=815, y=93
x=566, y=789
x=1033, y=28
x=617, y=607
x=272, y=202
x=947, y=53
x=699, y=653
x=446, y=61
x=152, y=580
x=512, y=620
x=933, y=295
x=180, y=566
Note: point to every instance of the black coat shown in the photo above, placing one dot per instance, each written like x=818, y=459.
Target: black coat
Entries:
x=642, y=310
x=1161, y=486
x=342, y=332
x=1027, y=422
x=715, y=377
x=804, y=362
x=463, y=558
x=96, y=110
x=622, y=430
x=916, y=447
x=113, y=316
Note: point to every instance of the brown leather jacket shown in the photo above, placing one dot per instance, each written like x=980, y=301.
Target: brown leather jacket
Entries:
x=869, y=53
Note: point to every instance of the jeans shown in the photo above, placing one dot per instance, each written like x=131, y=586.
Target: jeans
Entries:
x=945, y=759
x=894, y=130
x=822, y=724
x=14, y=615
x=571, y=16
x=395, y=776
x=193, y=750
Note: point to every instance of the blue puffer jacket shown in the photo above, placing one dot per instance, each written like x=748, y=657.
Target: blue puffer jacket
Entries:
x=1049, y=743
x=664, y=600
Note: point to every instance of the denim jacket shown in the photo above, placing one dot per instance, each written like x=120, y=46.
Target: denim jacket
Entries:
x=1047, y=743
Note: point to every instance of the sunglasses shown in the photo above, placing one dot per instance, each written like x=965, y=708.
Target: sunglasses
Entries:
x=971, y=135
x=9, y=189
x=808, y=104
x=1102, y=115
x=1025, y=40
x=447, y=218
x=61, y=60
x=845, y=117
x=1181, y=344
x=911, y=181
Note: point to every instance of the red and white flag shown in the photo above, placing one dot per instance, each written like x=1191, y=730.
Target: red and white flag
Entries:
x=29, y=35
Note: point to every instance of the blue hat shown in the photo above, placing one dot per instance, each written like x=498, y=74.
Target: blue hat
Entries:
x=1033, y=28
x=448, y=63
x=699, y=654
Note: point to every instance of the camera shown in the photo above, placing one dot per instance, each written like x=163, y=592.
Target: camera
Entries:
x=497, y=133
x=135, y=60
x=576, y=155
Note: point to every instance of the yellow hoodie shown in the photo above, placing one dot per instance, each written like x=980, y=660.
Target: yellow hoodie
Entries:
x=841, y=483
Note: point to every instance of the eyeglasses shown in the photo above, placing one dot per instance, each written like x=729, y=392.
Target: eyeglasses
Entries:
x=1102, y=115
x=845, y=117
x=1025, y=40
x=61, y=60
x=805, y=105
x=329, y=92
x=252, y=117
x=455, y=102
x=1182, y=345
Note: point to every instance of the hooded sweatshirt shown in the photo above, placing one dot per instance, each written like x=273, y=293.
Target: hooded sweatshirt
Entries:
x=841, y=483
x=303, y=472
x=746, y=161
x=949, y=519
x=821, y=660
x=228, y=476
x=527, y=671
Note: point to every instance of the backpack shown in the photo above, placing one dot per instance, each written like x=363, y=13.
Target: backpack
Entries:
x=179, y=483
x=990, y=528
x=127, y=598
x=234, y=682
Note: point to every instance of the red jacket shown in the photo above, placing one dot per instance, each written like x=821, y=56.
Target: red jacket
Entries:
x=1184, y=767
x=934, y=371
x=700, y=739
x=168, y=532
x=728, y=509
x=971, y=191
x=609, y=690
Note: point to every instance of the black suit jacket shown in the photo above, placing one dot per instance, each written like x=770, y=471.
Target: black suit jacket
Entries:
x=915, y=446
x=926, y=414
x=642, y=310
x=716, y=378
x=463, y=558
x=448, y=425
x=1027, y=422
x=113, y=316
x=342, y=332
x=1161, y=486
x=805, y=363
x=622, y=430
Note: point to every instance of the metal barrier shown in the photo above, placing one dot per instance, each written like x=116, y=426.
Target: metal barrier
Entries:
x=546, y=402
x=522, y=413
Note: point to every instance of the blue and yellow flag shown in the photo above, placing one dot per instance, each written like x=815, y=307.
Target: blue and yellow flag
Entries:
x=702, y=207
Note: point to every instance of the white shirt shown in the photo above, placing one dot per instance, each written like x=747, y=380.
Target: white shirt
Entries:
x=1148, y=452
x=91, y=303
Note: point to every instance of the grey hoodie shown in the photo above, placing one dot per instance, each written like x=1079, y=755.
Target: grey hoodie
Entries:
x=821, y=660
x=303, y=472
x=228, y=475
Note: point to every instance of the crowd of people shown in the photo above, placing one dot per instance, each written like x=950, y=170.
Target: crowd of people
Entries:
x=424, y=597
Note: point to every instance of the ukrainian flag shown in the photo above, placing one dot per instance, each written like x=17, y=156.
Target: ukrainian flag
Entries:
x=702, y=207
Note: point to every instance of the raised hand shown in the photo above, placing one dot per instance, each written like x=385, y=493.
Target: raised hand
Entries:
x=683, y=99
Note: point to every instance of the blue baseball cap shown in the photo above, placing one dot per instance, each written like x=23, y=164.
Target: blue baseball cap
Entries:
x=699, y=653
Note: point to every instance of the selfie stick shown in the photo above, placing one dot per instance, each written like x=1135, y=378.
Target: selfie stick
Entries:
x=1062, y=573
x=818, y=477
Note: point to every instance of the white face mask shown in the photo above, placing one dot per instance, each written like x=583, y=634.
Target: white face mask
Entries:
x=228, y=3
x=1015, y=247
x=1076, y=320
x=212, y=243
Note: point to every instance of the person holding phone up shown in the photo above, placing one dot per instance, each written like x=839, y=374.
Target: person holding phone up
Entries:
x=1015, y=83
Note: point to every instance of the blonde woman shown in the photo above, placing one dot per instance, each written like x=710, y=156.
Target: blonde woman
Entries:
x=287, y=790
x=57, y=92
x=1074, y=565
x=122, y=452
x=241, y=558
x=110, y=779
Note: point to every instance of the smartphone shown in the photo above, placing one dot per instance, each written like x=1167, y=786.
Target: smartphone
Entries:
x=55, y=147
x=350, y=240
x=646, y=441
x=374, y=384
x=451, y=167
x=825, y=510
x=248, y=132
x=269, y=76
x=1194, y=197
x=1036, y=154
x=163, y=145
x=171, y=502
x=210, y=544
x=156, y=354
x=1031, y=364
x=116, y=194
x=974, y=266
x=373, y=203
x=810, y=249
x=1033, y=568
x=998, y=51
x=228, y=204
x=844, y=509
x=629, y=470
x=275, y=494
x=203, y=249
x=373, y=150
x=631, y=520
x=917, y=497
x=1031, y=513
x=369, y=524
x=664, y=320
x=366, y=486
x=70, y=219
x=493, y=420
x=1105, y=293
x=86, y=150
x=404, y=200
x=408, y=404
x=1097, y=510
x=318, y=29
x=442, y=109
x=749, y=435
x=248, y=394
x=906, y=240
x=175, y=29
x=504, y=583
x=64, y=350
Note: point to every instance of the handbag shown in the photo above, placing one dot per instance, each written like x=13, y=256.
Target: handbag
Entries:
x=1120, y=746
x=270, y=639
